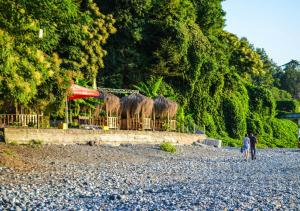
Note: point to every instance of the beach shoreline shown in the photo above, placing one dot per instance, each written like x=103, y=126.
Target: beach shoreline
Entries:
x=144, y=177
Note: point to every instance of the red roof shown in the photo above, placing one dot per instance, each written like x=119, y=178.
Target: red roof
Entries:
x=78, y=92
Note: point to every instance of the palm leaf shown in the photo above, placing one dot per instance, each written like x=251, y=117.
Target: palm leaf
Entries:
x=143, y=88
x=156, y=87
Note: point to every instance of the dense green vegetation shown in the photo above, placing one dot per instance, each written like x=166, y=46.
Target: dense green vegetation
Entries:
x=35, y=72
x=175, y=48
x=167, y=147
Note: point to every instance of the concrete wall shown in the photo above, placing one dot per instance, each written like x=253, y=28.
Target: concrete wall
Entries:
x=80, y=136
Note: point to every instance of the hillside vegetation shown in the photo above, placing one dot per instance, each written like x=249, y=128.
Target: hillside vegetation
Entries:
x=175, y=48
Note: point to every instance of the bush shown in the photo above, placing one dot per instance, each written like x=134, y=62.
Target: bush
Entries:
x=168, y=147
x=287, y=105
x=35, y=143
x=255, y=124
x=235, y=116
x=73, y=125
x=284, y=133
x=232, y=144
x=209, y=123
x=13, y=143
x=227, y=141
x=165, y=127
x=261, y=146
x=8, y=152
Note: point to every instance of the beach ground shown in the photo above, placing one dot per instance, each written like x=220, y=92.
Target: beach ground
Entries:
x=144, y=177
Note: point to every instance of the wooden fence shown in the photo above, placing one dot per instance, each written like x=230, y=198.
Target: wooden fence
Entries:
x=38, y=121
x=21, y=120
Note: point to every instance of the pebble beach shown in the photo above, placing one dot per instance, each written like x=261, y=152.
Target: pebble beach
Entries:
x=142, y=177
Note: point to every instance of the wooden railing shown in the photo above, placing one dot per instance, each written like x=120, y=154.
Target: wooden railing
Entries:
x=158, y=125
x=172, y=124
x=33, y=120
x=133, y=124
x=21, y=120
x=147, y=124
x=112, y=122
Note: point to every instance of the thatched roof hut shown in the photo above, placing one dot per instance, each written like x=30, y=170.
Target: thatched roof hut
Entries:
x=112, y=103
x=146, y=107
x=173, y=109
x=165, y=107
x=136, y=104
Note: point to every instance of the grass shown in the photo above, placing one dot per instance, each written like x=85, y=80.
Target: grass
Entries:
x=8, y=152
x=168, y=147
x=35, y=143
x=14, y=143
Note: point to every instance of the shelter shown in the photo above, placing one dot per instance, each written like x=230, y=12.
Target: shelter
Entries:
x=79, y=92
x=112, y=107
x=165, y=109
x=137, y=109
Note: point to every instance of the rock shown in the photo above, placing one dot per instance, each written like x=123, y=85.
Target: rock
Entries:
x=213, y=142
x=199, y=144
x=17, y=208
x=92, y=143
x=115, y=197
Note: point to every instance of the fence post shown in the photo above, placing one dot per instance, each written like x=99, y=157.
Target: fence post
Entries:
x=37, y=121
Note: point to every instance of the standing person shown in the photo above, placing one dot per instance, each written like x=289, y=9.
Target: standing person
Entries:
x=245, y=147
x=253, y=142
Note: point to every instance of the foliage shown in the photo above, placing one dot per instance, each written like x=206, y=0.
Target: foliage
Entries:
x=84, y=53
x=9, y=152
x=234, y=115
x=35, y=72
x=150, y=89
x=14, y=143
x=288, y=78
x=227, y=141
x=35, y=143
x=167, y=147
x=287, y=105
x=284, y=133
x=280, y=94
x=165, y=127
x=23, y=69
x=175, y=48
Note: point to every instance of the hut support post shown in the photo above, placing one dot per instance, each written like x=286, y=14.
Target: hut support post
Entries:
x=106, y=109
x=67, y=118
x=153, y=120
x=138, y=122
x=168, y=128
x=128, y=121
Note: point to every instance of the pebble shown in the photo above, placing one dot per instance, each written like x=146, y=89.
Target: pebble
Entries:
x=142, y=177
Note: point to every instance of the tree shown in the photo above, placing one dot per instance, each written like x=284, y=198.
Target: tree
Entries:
x=210, y=15
x=290, y=80
x=83, y=52
x=36, y=72
x=23, y=67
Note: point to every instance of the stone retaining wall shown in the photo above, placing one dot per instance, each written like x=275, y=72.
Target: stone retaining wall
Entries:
x=81, y=136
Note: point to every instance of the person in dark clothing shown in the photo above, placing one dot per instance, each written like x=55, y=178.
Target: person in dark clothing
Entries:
x=253, y=142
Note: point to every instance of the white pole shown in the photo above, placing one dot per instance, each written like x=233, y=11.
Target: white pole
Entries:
x=67, y=117
x=41, y=33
